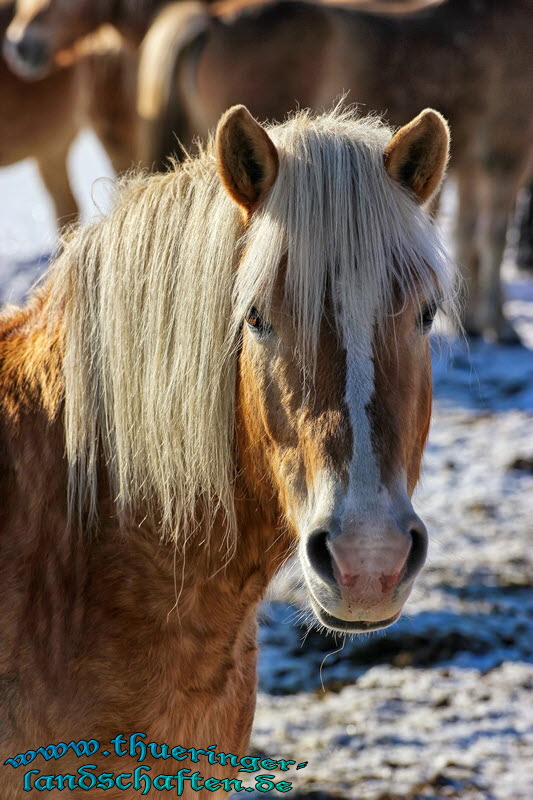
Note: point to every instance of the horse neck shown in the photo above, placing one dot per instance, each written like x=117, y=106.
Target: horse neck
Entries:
x=132, y=19
x=30, y=361
x=183, y=602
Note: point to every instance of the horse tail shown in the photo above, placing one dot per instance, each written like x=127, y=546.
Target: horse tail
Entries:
x=163, y=123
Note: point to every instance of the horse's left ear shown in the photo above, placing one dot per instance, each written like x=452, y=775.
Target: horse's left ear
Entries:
x=417, y=154
x=247, y=158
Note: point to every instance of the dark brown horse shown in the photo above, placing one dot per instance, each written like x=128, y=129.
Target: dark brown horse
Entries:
x=44, y=28
x=471, y=59
x=181, y=411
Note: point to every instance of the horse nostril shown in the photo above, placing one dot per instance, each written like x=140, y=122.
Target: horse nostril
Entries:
x=419, y=547
x=32, y=51
x=319, y=555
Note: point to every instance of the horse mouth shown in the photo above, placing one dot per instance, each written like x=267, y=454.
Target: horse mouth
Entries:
x=349, y=626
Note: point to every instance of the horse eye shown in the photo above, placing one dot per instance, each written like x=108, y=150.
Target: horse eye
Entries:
x=427, y=316
x=256, y=321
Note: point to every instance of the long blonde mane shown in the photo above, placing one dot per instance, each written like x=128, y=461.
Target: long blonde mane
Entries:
x=153, y=297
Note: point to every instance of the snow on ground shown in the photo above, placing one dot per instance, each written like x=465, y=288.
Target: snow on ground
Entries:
x=27, y=223
x=439, y=705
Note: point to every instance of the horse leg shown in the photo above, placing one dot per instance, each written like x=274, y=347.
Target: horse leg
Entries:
x=499, y=199
x=118, y=144
x=111, y=106
x=524, y=221
x=53, y=170
x=466, y=243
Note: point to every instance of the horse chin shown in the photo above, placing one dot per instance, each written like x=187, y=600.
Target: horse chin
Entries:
x=351, y=626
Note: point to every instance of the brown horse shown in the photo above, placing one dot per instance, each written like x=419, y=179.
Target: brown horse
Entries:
x=232, y=365
x=41, y=119
x=44, y=28
x=468, y=58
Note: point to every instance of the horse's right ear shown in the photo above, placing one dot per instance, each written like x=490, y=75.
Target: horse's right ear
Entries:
x=247, y=158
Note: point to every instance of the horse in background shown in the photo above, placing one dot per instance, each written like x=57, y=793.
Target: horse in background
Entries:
x=41, y=120
x=468, y=58
x=83, y=79
x=232, y=365
x=42, y=29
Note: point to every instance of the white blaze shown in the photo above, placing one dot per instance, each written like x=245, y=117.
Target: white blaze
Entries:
x=364, y=498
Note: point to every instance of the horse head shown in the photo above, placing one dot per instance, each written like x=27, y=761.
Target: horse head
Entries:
x=334, y=374
x=41, y=29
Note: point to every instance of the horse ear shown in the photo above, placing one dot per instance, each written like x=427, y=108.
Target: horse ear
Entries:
x=246, y=156
x=417, y=154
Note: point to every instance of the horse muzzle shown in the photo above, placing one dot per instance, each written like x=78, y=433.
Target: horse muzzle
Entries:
x=359, y=579
x=27, y=55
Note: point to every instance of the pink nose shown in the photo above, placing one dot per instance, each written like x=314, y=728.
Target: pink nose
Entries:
x=362, y=582
x=368, y=571
x=367, y=563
